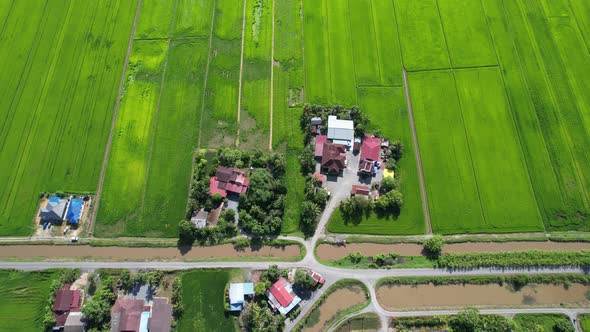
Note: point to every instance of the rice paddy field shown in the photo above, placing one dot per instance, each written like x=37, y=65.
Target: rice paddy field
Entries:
x=203, y=297
x=25, y=295
x=497, y=89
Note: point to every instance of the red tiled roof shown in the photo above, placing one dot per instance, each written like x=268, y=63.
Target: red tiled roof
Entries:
x=371, y=148
x=129, y=312
x=333, y=157
x=319, y=144
x=228, y=179
x=280, y=293
x=360, y=190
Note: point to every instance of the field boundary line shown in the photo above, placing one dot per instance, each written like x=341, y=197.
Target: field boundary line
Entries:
x=7, y=17
x=206, y=78
x=423, y=192
x=302, y=11
x=557, y=108
x=513, y=116
x=327, y=35
x=154, y=126
x=272, y=73
x=173, y=38
x=107, y=151
x=241, y=71
x=465, y=133
x=569, y=2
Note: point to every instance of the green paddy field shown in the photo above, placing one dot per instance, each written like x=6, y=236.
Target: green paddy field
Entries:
x=498, y=90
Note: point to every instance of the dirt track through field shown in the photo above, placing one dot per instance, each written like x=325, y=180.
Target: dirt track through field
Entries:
x=458, y=296
x=333, y=252
x=339, y=300
x=417, y=153
x=126, y=253
x=272, y=73
x=241, y=72
x=103, y=168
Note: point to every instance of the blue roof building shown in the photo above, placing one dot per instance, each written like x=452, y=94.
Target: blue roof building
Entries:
x=75, y=210
x=237, y=292
x=55, y=209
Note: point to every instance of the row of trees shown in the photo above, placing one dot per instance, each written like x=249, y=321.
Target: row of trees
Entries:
x=226, y=228
x=313, y=205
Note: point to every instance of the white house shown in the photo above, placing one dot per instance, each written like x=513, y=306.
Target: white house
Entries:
x=340, y=131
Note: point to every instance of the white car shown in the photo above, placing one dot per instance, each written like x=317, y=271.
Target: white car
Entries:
x=74, y=239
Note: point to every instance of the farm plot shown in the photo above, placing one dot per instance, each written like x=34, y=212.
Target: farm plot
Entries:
x=480, y=131
x=25, y=295
x=388, y=47
x=318, y=86
x=421, y=34
x=220, y=127
x=61, y=70
x=255, y=103
x=154, y=19
x=448, y=170
x=388, y=112
x=466, y=33
x=193, y=18
x=126, y=173
x=288, y=74
x=366, y=57
x=202, y=294
x=542, y=71
x=341, y=60
x=581, y=14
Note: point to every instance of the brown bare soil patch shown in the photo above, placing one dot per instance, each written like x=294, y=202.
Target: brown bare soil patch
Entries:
x=123, y=253
x=333, y=252
x=339, y=300
x=396, y=298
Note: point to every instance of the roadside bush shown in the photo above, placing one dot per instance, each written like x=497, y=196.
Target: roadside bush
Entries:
x=433, y=246
x=177, y=300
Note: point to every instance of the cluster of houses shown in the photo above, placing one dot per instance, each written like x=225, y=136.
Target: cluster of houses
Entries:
x=59, y=209
x=280, y=296
x=127, y=315
x=227, y=181
x=331, y=148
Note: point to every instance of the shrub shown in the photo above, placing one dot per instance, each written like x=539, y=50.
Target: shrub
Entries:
x=433, y=246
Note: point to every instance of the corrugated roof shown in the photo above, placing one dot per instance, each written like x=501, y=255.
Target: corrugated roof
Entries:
x=75, y=210
x=280, y=292
x=371, y=148
x=319, y=144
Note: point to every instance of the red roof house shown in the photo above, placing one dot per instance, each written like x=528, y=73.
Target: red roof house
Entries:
x=360, y=190
x=66, y=301
x=126, y=315
x=371, y=148
x=317, y=278
x=319, y=145
x=333, y=158
x=226, y=180
x=281, y=296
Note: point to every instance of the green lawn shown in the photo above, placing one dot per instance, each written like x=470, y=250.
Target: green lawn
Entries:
x=526, y=322
x=202, y=293
x=24, y=296
x=584, y=321
x=61, y=69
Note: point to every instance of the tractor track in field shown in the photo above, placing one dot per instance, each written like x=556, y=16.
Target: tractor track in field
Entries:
x=241, y=72
x=418, y=158
x=272, y=73
x=107, y=151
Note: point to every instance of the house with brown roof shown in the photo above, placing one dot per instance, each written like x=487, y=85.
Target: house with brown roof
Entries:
x=161, y=316
x=66, y=301
x=228, y=180
x=360, y=190
x=333, y=158
x=320, y=140
x=129, y=316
